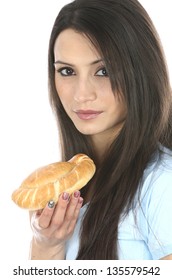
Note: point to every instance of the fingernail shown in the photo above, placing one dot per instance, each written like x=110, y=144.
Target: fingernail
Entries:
x=51, y=204
x=65, y=196
x=81, y=200
x=76, y=194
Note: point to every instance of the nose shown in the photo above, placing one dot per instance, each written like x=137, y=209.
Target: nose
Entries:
x=84, y=91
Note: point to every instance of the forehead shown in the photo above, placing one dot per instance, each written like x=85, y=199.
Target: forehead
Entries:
x=74, y=45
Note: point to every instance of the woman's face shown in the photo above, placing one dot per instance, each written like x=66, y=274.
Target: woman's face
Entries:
x=84, y=87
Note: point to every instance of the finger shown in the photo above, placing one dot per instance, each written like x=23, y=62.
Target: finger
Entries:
x=73, y=209
x=60, y=211
x=72, y=205
x=46, y=215
x=73, y=221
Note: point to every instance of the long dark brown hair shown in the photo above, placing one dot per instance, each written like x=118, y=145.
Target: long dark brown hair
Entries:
x=127, y=41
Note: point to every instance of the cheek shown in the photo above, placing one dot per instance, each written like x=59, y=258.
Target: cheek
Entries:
x=122, y=111
x=118, y=106
x=63, y=90
x=59, y=86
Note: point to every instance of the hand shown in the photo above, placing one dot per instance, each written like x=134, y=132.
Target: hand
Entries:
x=53, y=226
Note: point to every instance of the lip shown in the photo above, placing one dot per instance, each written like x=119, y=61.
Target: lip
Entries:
x=87, y=114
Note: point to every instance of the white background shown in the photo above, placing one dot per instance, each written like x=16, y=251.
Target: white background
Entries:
x=28, y=133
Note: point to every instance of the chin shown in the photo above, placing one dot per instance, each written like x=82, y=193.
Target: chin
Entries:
x=87, y=131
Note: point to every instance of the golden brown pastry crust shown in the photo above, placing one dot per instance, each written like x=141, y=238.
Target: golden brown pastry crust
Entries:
x=48, y=182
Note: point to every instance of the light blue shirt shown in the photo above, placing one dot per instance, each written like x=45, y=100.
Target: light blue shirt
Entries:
x=146, y=232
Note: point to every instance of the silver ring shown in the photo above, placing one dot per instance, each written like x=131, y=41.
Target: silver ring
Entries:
x=51, y=204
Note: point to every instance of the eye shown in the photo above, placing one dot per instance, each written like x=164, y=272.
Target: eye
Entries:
x=66, y=71
x=102, y=72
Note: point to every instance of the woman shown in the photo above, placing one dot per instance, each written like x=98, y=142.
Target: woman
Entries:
x=110, y=92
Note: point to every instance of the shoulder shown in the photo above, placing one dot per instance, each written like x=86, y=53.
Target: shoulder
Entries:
x=155, y=205
x=155, y=195
x=156, y=186
x=156, y=189
x=158, y=174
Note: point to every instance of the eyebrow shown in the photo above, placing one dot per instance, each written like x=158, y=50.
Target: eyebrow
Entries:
x=66, y=63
